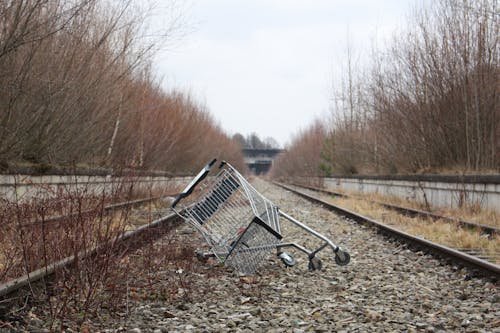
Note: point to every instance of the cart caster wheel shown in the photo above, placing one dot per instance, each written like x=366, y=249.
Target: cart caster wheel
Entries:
x=287, y=259
x=201, y=256
x=315, y=264
x=342, y=262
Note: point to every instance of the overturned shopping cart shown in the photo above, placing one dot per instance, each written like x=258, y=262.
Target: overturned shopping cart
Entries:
x=240, y=225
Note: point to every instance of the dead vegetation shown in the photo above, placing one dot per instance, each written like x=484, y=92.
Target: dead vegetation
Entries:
x=428, y=101
x=443, y=232
x=30, y=239
x=78, y=88
x=468, y=212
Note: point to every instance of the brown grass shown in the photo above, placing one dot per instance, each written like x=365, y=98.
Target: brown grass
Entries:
x=443, y=232
x=471, y=213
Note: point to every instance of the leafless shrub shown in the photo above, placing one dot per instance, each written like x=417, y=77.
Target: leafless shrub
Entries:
x=428, y=102
x=77, y=88
x=436, y=105
x=31, y=240
x=303, y=157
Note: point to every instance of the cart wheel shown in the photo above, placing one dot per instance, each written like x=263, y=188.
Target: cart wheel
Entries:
x=287, y=259
x=315, y=264
x=343, y=262
x=201, y=256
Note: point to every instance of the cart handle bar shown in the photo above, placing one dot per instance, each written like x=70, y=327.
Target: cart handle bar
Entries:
x=199, y=177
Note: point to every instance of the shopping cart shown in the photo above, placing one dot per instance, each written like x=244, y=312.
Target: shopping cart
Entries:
x=240, y=225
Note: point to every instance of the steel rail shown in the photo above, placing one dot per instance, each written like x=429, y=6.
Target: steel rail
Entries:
x=490, y=230
x=484, y=267
x=111, y=207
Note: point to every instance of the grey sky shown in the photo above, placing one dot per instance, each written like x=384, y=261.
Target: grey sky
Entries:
x=267, y=66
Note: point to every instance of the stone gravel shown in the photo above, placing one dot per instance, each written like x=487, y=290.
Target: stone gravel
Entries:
x=385, y=288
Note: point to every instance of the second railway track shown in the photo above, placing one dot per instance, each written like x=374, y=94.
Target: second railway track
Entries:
x=134, y=235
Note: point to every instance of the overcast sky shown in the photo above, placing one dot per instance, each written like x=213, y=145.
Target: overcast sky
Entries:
x=267, y=66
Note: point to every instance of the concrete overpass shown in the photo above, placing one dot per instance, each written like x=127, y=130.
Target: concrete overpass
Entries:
x=259, y=161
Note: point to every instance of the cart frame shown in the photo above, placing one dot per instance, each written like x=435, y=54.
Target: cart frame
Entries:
x=241, y=225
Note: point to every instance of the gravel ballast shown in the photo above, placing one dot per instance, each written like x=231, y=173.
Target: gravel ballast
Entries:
x=385, y=288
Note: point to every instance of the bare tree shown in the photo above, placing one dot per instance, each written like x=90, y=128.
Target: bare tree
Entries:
x=429, y=101
x=77, y=87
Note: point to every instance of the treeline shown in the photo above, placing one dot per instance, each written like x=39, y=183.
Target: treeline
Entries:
x=253, y=141
x=303, y=155
x=76, y=88
x=429, y=102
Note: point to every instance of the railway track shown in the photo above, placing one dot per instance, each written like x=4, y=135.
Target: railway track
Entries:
x=477, y=265
x=19, y=287
x=384, y=288
x=465, y=257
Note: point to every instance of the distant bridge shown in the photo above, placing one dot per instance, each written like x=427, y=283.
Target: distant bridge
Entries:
x=259, y=161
